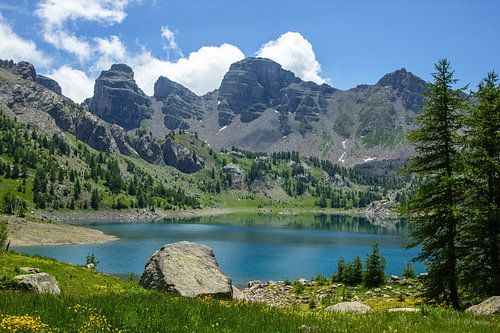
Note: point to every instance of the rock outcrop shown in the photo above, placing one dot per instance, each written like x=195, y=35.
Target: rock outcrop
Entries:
x=186, y=268
x=118, y=100
x=181, y=158
x=41, y=283
x=49, y=84
x=236, y=176
x=487, y=307
x=179, y=104
x=349, y=307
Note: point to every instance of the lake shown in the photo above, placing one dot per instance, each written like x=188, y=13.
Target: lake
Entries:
x=247, y=246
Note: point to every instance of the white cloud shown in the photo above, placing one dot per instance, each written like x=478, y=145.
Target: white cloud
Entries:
x=170, y=43
x=70, y=43
x=74, y=83
x=295, y=53
x=202, y=71
x=55, y=13
x=17, y=48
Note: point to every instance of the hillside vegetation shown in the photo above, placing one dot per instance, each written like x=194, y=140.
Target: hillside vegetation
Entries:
x=94, y=302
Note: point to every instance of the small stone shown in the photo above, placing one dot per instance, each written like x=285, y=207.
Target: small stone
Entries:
x=29, y=270
x=349, y=307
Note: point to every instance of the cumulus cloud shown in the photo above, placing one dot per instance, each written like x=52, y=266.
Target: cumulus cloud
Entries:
x=17, y=48
x=202, y=71
x=295, y=53
x=74, y=83
x=56, y=13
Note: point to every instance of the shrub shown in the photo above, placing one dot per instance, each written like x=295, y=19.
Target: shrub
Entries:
x=91, y=259
x=409, y=271
x=3, y=234
x=352, y=273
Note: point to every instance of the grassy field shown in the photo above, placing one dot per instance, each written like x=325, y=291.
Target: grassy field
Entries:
x=93, y=302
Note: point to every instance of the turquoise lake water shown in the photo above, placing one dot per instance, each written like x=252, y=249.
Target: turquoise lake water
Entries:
x=247, y=247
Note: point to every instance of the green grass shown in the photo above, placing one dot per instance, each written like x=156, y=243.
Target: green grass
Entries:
x=94, y=302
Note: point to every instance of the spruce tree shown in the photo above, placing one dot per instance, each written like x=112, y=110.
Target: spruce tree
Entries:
x=482, y=233
x=375, y=266
x=433, y=207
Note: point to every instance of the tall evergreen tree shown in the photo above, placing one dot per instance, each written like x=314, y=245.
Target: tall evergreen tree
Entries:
x=433, y=206
x=482, y=159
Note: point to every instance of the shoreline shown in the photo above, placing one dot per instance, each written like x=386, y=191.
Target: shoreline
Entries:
x=147, y=215
x=25, y=232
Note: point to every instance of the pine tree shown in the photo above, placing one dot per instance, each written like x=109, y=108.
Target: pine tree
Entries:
x=433, y=206
x=375, y=266
x=482, y=234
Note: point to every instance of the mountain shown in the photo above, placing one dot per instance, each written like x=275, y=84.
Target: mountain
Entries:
x=260, y=106
x=118, y=100
x=60, y=155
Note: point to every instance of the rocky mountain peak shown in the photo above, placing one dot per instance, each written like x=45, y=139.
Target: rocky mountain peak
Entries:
x=403, y=80
x=249, y=87
x=117, y=98
x=179, y=104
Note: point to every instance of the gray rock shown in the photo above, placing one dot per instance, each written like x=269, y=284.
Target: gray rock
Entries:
x=237, y=176
x=49, y=84
x=41, y=283
x=29, y=270
x=189, y=269
x=349, y=307
x=117, y=98
x=181, y=158
x=149, y=150
x=179, y=103
x=239, y=295
x=487, y=307
x=403, y=282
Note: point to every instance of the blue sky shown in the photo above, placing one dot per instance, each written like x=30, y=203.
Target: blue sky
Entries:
x=343, y=43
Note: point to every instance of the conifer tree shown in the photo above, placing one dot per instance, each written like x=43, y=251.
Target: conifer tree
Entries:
x=434, y=205
x=375, y=266
x=482, y=160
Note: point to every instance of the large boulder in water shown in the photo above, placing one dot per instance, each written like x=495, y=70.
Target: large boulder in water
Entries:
x=41, y=283
x=487, y=307
x=189, y=269
x=349, y=307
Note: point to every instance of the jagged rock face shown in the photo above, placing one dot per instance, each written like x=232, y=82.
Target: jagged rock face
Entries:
x=179, y=103
x=249, y=87
x=49, y=84
x=181, y=158
x=255, y=84
x=118, y=100
x=186, y=268
x=149, y=150
x=407, y=86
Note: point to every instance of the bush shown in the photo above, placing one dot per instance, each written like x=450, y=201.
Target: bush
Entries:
x=91, y=259
x=409, y=271
x=352, y=273
x=3, y=234
x=7, y=282
x=375, y=266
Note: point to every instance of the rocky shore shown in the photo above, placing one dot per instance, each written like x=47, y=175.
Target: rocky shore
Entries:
x=321, y=293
